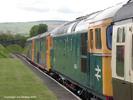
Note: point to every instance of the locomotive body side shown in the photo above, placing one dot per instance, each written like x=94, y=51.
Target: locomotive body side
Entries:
x=100, y=57
x=122, y=53
x=39, y=50
x=80, y=53
x=67, y=57
x=90, y=69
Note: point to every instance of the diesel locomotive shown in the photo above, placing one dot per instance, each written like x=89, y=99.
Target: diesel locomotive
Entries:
x=122, y=53
x=79, y=53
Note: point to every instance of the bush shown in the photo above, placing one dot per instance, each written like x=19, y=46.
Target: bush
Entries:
x=14, y=48
x=4, y=53
x=10, y=39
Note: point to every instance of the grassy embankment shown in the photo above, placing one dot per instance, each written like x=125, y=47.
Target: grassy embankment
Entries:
x=18, y=82
x=4, y=53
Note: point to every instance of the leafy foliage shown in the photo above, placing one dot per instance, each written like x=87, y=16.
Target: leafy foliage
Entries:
x=38, y=29
x=42, y=28
x=14, y=48
x=9, y=39
x=3, y=52
x=34, y=30
x=21, y=40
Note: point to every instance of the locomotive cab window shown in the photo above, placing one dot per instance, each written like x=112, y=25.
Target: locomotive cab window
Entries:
x=98, y=38
x=120, y=51
x=91, y=38
x=109, y=36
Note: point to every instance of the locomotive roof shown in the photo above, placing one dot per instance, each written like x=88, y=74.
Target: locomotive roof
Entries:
x=108, y=12
x=78, y=24
x=29, y=39
x=125, y=12
x=82, y=23
x=45, y=34
x=54, y=31
x=38, y=36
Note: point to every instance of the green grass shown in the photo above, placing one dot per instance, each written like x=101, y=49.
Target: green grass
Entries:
x=4, y=53
x=14, y=48
x=17, y=80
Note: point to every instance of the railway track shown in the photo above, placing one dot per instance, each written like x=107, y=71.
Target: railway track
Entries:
x=62, y=92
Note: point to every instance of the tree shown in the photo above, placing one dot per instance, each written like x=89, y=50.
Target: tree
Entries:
x=38, y=29
x=34, y=30
x=21, y=40
x=10, y=39
x=42, y=28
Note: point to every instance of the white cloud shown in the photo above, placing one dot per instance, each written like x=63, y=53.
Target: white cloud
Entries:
x=28, y=10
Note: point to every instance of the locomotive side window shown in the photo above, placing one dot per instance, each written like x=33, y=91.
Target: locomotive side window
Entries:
x=120, y=49
x=98, y=38
x=91, y=38
x=83, y=52
x=83, y=65
x=84, y=44
x=120, y=60
x=121, y=35
x=109, y=36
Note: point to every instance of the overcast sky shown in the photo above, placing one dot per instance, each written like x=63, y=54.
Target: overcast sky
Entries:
x=33, y=10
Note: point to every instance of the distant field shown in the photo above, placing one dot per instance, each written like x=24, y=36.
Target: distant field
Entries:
x=19, y=83
x=24, y=27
